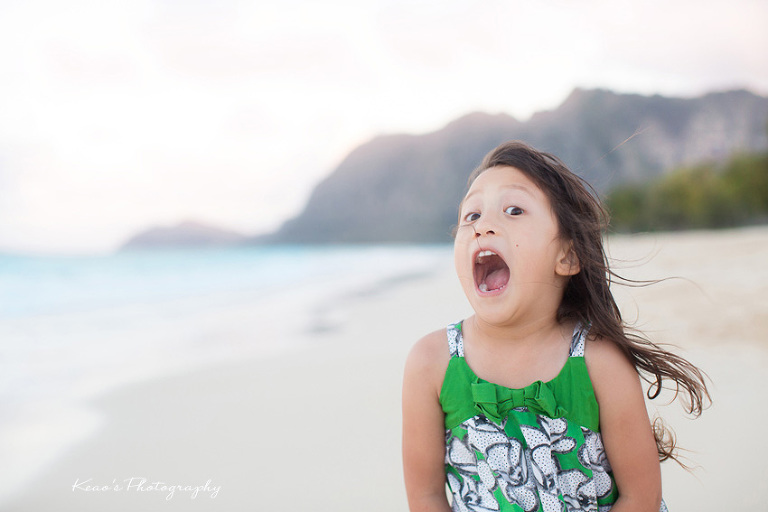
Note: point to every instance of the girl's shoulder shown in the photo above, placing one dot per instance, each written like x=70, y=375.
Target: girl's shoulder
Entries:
x=603, y=355
x=611, y=371
x=431, y=349
x=429, y=357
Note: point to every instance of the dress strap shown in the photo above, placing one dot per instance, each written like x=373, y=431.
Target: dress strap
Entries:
x=579, y=337
x=455, y=340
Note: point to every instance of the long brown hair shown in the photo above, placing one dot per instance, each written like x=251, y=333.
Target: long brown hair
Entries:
x=587, y=297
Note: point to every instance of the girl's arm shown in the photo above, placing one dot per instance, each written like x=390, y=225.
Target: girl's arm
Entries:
x=625, y=428
x=423, y=425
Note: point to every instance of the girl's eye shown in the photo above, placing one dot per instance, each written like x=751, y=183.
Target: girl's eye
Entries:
x=514, y=210
x=471, y=217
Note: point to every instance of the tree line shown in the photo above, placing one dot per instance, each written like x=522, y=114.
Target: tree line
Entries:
x=709, y=195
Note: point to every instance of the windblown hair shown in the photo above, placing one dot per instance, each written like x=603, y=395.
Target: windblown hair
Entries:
x=587, y=297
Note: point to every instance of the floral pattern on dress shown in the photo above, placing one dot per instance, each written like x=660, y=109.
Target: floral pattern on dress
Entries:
x=503, y=466
x=527, y=471
x=592, y=456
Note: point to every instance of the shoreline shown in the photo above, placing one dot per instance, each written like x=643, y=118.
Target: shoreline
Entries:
x=177, y=413
x=51, y=410
x=318, y=427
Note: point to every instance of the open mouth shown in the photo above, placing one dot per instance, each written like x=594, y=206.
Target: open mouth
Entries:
x=491, y=272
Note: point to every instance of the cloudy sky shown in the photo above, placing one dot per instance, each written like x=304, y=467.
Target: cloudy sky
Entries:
x=119, y=115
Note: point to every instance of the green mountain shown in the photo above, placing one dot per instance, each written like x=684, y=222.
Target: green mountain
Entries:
x=406, y=188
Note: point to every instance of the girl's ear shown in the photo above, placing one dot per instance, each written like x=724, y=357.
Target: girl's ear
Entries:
x=568, y=261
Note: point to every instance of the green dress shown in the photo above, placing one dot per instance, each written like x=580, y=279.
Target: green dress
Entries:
x=537, y=448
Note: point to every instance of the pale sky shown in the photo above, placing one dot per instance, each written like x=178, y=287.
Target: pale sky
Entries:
x=120, y=115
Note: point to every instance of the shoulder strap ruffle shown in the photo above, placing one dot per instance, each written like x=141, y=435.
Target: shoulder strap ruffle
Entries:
x=579, y=338
x=455, y=340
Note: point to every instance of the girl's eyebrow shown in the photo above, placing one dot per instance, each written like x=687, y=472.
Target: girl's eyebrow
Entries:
x=514, y=186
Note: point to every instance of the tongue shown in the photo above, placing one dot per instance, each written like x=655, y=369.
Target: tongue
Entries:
x=497, y=279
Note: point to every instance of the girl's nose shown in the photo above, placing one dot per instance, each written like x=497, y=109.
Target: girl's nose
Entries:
x=485, y=225
x=483, y=231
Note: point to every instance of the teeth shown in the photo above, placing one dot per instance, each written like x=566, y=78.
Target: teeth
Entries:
x=483, y=287
x=483, y=254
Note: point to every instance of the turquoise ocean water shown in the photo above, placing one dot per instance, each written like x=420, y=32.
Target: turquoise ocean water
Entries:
x=82, y=308
x=43, y=285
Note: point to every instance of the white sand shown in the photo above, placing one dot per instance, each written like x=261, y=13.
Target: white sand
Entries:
x=319, y=429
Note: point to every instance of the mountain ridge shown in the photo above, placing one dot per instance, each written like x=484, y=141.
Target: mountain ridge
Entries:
x=188, y=233
x=405, y=188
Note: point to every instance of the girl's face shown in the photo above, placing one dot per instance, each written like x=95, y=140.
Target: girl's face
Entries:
x=510, y=258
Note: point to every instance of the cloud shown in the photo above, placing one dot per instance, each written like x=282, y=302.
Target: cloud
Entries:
x=116, y=114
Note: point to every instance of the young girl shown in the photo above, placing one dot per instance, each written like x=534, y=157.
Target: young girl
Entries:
x=535, y=401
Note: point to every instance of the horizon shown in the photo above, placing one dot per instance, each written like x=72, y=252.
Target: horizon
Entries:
x=119, y=117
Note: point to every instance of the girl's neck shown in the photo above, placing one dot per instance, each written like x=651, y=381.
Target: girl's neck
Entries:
x=533, y=332
x=517, y=355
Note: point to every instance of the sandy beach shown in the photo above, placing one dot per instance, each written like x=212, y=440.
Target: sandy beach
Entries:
x=318, y=427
